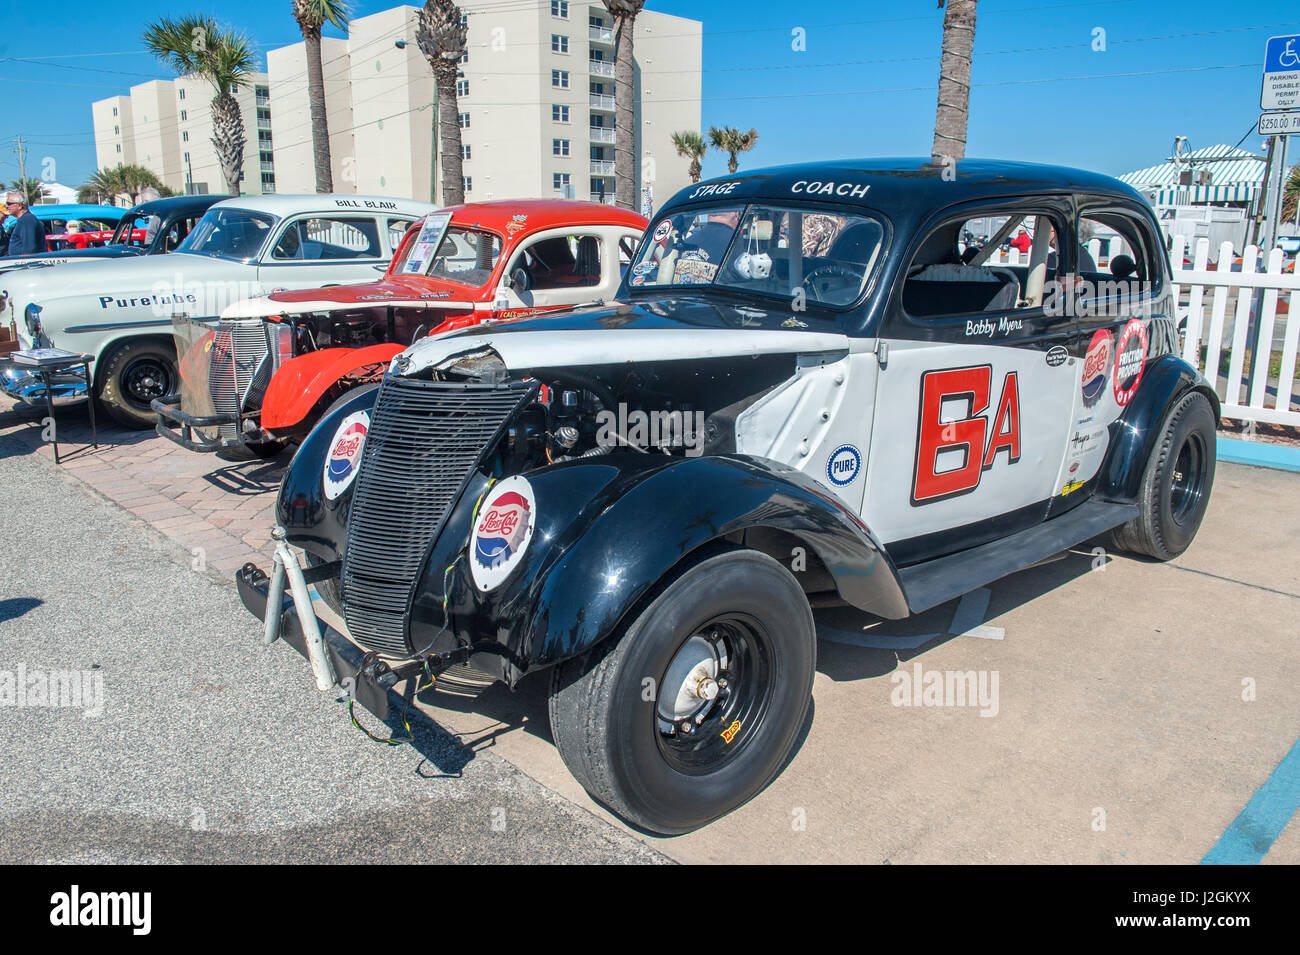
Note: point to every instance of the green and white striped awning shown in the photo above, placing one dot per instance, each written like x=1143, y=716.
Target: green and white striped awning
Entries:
x=1234, y=176
x=1200, y=195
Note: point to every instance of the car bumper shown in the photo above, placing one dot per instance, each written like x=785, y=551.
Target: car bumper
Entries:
x=28, y=385
x=177, y=426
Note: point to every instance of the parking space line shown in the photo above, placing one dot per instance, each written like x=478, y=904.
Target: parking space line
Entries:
x=1257, y=827
x=1234, y=580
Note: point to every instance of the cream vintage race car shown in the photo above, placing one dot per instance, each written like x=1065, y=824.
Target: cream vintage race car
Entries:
x=814, y=386
x=122, y=312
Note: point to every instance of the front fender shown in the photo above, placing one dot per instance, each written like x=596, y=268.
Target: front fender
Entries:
x=300, y=383
x=610, y=529
x=1164, y=383
x=313, y=521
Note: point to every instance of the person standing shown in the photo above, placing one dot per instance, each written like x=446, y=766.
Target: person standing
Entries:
x=28, y=234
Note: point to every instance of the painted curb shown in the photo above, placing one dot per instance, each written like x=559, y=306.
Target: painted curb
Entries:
x=1259, y=454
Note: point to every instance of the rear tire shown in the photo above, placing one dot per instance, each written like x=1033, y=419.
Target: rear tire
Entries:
x=134, y=374
x=1176, y=484
x=739, y=622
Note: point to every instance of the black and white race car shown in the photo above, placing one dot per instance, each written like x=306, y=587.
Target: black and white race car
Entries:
x=813, y=386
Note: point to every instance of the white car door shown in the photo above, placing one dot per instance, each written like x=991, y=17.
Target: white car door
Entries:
x=565, y=267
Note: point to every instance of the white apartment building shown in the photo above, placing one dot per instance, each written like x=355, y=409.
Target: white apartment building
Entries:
x=536, y=98
x=166, y=126
x=536, y=103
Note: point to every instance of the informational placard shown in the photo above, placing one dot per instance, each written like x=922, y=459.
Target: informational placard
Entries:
x=1281, y=89
x=426, y=243
x=1280, y=124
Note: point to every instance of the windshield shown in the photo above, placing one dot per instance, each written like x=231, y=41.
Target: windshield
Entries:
x=125, y=233
x=465, y=256
x=229, y=233
x=797, y=254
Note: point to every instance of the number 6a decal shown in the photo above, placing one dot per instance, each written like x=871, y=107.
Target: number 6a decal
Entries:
x=966, y=436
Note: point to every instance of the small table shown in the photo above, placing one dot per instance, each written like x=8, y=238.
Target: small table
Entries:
x=49, y=361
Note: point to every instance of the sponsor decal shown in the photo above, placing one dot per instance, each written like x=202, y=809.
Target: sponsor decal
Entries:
x=1074, y=466
x=365, y=204
x=379, y=297
x=645, y=268
x=517, y=223
x=1130, y=359
x=843, y=465
x=1096, y=364
x=986, y=327
x=662, y=230
x=1071, y=488
x=638, y=280
x=816, y=188
x=714, y=189
x=730, y=732
x=952, y=454
x=694, y=268
x=344, y=457
x=793, y=323
x=502, y=530
x=1056, y=356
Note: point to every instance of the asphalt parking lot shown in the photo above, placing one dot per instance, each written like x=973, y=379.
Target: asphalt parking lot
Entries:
x=1124, y=711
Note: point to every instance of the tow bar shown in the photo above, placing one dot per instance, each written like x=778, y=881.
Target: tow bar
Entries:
x=335, y=660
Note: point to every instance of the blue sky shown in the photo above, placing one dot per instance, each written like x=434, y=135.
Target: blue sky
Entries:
x=864, y=85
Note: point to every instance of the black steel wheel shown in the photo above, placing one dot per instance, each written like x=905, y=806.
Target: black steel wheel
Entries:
x=134, y=374
x=699, y=704
x=1176, y=484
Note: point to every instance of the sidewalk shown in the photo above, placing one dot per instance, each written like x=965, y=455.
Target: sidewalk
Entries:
x=222, y=511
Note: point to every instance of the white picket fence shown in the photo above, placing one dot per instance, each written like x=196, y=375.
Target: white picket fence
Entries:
x=1246, y=399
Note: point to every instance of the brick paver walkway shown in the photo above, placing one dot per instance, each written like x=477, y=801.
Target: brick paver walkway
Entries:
x=224, y=508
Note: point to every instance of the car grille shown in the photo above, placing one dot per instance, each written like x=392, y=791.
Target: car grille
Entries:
x=240, y=368
x=425, y=440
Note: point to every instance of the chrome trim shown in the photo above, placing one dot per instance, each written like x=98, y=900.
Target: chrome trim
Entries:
x=110, y=326
x=28, y=385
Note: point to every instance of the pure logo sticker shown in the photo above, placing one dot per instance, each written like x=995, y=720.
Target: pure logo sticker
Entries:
x=843, y=466
x=502, y=531
x=344, y=457
x=1056, y=356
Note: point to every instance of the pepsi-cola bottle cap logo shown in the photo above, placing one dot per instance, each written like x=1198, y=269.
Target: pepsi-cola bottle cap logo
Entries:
x=503, y=528
x=344, y=456
x=1096, y=366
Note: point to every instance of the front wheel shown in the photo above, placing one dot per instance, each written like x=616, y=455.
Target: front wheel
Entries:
x=135, y=373
x=1175, y=485
x=697, y=707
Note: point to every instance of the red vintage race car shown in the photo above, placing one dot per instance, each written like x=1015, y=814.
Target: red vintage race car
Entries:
x=274, y=364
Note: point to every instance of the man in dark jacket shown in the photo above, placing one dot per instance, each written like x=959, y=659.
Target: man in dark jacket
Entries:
x=28, y=234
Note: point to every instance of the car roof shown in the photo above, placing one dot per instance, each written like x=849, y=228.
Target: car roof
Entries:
x=171, y=204
x=286, y=205
x=77, y=211
x=902, y=187
x=543, y=214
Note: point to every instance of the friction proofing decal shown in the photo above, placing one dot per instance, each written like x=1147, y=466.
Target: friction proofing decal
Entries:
x=1130, y=359
x=503, y=528
x=1096, y=366
x=344, y=457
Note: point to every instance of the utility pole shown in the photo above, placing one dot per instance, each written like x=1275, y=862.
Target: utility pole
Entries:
x=22, y=165
x=1261, y=205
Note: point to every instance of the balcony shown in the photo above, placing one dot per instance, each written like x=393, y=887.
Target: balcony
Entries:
x=607, y=198
x=601, y=35
x=603, y=101
x=601, y=68
x=268, y=167
x=602, y=167
x=263, y=123
x=602, y=134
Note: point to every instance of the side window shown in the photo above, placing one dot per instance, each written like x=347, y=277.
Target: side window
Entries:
x=328, y=238
x=560, y=262
x=1117, y=261
x=396, y=229
x=979, y=264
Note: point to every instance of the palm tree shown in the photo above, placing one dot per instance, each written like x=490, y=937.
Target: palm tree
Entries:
x=104, y=185
x=196, y=45
x=33, y=189
x=954, y=82
x=624, y=13
x=134, y=180
x=312, y=15
x=691, y=145
x=440, y=34
x=1290, y=195
x=730, y=140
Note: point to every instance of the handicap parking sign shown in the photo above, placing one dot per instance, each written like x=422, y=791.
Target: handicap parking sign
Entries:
x=1281, y=87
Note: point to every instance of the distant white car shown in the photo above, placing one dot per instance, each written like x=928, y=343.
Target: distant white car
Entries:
x=122, y=312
